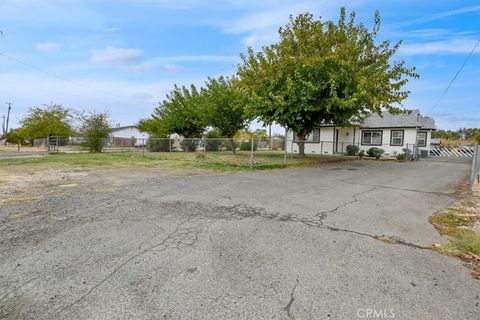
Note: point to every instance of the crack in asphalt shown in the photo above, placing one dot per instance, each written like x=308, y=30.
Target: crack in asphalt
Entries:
x=17, y=288
x=185, y=236
x=323, y=214
x=441, y=194
x=292, y=299
x=172, y=240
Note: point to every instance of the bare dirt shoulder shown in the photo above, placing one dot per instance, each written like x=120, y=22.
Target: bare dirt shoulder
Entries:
x=25, y=183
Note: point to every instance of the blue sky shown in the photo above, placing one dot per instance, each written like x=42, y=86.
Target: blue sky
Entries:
x=123, y=56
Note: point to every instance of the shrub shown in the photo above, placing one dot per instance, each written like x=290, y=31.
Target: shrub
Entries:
x=246, y=145
x=95, y=129
x=158, y=145
x=352, y=150
x=361, y=154
x=401, y=157
x=375, y=152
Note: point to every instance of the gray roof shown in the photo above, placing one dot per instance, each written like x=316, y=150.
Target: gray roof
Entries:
x=121, y=128
x=388, y=120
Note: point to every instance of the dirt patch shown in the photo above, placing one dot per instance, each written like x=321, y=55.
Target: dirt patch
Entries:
x=27, y=183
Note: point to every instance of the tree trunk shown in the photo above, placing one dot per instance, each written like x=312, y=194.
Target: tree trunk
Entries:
x=232, y=143
x=301, y=143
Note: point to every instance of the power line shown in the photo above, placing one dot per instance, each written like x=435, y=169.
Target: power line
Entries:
x=454, y=78
x=69, y=80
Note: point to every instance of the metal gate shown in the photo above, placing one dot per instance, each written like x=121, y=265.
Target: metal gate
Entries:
x=462, y=151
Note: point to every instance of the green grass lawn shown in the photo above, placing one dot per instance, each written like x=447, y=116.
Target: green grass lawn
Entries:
x=220, y=160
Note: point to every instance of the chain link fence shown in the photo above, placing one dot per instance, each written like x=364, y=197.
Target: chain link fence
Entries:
x=242, y=152
x=248, y=151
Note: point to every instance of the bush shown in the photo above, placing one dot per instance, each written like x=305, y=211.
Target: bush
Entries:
x=352, y=150
x=158, y=145
x=401, y=157
x=375, y=152
x=189, y=145
x=246, y=145
x=361, y=154
x=95, y=129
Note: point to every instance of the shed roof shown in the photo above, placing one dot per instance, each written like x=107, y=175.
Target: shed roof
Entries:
x=124, y=127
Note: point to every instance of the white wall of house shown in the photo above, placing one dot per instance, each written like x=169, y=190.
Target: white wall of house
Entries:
x=335, y=140
x=129, y=133
x=324, y=146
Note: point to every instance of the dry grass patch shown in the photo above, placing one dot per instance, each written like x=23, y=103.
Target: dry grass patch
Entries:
x=386, y=239
x=461, y=223
x=20, y=200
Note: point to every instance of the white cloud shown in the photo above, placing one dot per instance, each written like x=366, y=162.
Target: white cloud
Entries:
x=47, y=47
x=450, y=46
x=114, y=55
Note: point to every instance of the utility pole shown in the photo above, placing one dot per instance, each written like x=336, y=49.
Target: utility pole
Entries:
x=8, y=117
x=3, y=126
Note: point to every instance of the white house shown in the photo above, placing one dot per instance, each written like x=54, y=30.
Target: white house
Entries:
x=128, y=136
x=392, y=133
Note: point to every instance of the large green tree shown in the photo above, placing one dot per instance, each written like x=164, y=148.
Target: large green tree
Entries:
x=224, y=107
x=181, y=113
x=54, y=120
x=324, y=72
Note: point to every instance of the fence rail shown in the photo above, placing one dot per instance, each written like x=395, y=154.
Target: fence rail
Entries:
x=251, y=151
x=465, y=151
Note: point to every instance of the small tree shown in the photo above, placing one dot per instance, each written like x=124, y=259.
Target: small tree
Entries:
x=95, y=128
x=155, y=128
x=181, y=113
x=16, y=136
x=54, y=120
x=224, y=107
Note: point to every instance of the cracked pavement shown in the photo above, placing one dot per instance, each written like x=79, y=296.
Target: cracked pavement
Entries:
x=283, y=244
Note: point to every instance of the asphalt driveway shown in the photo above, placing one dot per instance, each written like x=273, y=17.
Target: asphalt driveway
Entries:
x=282, y=244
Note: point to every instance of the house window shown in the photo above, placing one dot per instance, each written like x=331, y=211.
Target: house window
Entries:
x=372, y=137
x=421, y=139
x=396, y=138
x=312, y=137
